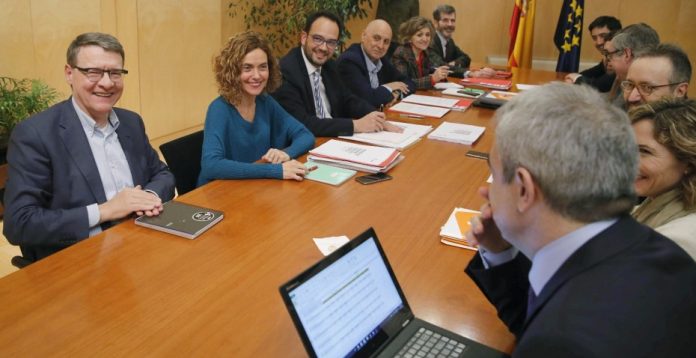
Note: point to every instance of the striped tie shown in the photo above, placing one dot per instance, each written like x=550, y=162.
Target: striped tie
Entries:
x=316, y=80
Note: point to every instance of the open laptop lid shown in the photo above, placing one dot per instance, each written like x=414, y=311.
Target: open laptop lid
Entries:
x=349, y=303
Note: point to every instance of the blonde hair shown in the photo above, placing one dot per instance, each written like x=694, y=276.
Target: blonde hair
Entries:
x=228, y=65
x=674, y=122
x=413, y=25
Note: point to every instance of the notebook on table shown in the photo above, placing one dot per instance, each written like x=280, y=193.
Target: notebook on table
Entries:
x=182, y=219
x=350, y=304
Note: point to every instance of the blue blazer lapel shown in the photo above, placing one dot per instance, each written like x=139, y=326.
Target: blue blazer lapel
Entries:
x=73, y=136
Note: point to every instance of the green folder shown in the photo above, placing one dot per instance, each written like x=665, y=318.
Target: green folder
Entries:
x=328, y=174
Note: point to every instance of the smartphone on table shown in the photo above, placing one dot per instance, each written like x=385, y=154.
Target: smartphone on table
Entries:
x=373, y=178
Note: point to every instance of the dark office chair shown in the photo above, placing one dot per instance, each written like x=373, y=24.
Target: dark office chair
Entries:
x=20, y=262
x=183, y=155
x=17, y=261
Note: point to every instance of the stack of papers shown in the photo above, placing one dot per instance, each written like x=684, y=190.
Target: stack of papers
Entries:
x=411, y=134
x=489, y=83
x=419, y=110
x=447, y=85
x=431, y=100
x=457, y=133
x=452, y=233
x=366, y=158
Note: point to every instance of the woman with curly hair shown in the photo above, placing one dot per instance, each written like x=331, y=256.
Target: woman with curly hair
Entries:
x=247, y=133
x=412, y=59
x=666, y=135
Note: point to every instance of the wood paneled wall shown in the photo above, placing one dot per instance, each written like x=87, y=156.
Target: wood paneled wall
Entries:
x=169, y=46
x=170, y=43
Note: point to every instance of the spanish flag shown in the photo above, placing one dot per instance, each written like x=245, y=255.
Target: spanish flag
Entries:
x=522, y=34
x=568, y=36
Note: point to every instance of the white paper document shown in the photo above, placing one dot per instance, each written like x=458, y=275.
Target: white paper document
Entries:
x=431, y=101
x=411, y=134
x=457, y=132
x=524, y=87
x=328, y=245
x=447, y=85
x=420, y=110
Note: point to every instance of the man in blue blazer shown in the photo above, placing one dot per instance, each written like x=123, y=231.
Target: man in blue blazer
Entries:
x=312, y=90
x=569, y=271
x=82, y=165
x=367, y=72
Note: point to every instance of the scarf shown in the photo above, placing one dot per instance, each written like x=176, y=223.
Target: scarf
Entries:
x=657, y=211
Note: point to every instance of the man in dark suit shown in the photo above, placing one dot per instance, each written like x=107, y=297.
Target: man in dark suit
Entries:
x=312, y=90
x=81, y=165
x=598, y=76
x=569, y=271
x=443, y=50
x=368, y=73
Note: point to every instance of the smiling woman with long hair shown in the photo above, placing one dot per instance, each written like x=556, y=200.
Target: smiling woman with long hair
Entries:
x=247, y=133
x=666, y=135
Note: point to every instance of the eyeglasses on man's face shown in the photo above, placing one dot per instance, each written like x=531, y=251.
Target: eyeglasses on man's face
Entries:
x=609, y=54
x=318, y=41
x=643, y=88
x=96, y=74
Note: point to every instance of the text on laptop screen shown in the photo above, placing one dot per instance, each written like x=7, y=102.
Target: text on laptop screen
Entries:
x=342, y=306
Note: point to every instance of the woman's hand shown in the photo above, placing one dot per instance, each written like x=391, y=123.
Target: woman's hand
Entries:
x=440, y=74
x=294, y=170
x=275, y=156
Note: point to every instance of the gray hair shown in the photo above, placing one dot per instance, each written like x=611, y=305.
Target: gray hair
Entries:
x=638, y=37
x=105, y=41
x=580, y=150
x=681, y=66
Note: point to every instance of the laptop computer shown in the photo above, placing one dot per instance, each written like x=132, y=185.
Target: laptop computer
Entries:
x=349, y=304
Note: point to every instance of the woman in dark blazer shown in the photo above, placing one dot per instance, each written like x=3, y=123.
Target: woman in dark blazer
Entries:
x=411, y=58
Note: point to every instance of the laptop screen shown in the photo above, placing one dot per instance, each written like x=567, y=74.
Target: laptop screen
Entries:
x=342, y=307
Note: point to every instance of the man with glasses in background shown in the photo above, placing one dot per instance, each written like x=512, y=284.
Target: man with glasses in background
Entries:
x=622, y=49
x=664, y=71
x=600, y=76
x=82, y=165
x=312, y=90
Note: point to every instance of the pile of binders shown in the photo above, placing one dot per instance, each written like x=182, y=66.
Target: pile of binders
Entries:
x=364, y=158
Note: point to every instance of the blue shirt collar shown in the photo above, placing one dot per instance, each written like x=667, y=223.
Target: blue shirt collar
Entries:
x=372, y=67
x=552, y=256
x=90, y=125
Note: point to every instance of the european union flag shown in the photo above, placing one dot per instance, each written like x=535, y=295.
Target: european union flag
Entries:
x=568, y=35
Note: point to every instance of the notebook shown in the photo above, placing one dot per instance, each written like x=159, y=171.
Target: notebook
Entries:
x=452, y=233
x=328, y=174
x=349, y=304
x=182, y=219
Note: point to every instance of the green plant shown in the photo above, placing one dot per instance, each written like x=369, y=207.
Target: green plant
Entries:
x=20, y=99
x=282, y=20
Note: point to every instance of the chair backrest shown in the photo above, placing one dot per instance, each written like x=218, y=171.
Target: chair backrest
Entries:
x=183, y=156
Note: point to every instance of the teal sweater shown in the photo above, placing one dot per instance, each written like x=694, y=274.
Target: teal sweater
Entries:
x=231, y=145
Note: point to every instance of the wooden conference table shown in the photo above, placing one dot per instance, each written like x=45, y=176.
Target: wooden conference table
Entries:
x=135, y=291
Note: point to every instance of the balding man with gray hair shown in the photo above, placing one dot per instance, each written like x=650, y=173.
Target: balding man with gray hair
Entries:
x=568, y=269
x=368, y=73
x=622, y=49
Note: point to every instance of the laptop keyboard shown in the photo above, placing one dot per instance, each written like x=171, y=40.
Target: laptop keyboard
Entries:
x=426, y=343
